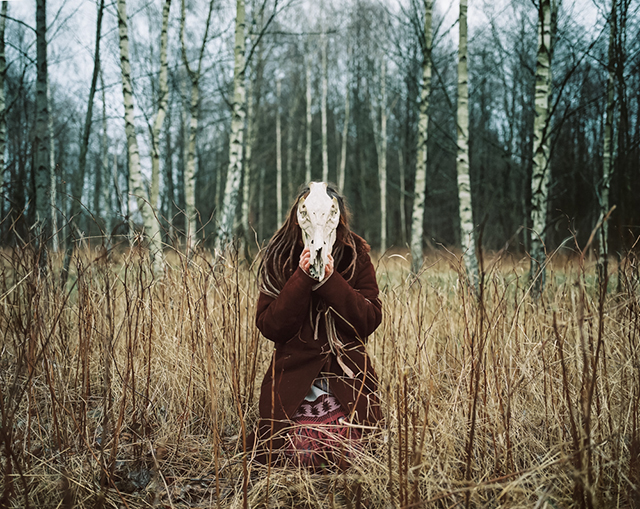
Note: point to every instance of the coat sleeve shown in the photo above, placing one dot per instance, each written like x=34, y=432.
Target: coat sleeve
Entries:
x=280, y=318
x=359, y=308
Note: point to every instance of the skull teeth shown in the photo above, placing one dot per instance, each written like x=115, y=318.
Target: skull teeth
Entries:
x=317, y=267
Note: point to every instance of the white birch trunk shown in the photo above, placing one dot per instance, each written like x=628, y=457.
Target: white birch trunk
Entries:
x=234, y=173
x=55, y=245
x=136, y=187
x=467, y=235
x=345, y=133
x=41, y=142
x=261, y=207
x=190, y=171
x=248, y=164
x=607, y=155
x=541, y=152
x=249, y=183
x=3, y=118
x=278, y=155
x=190, y=163
x=325, y=151
x=403, y=218
x=155, y=235
x=417, y=218
x=380, y=135
x=298, y=167
x=289, y=166
x=121, y=203
x=106, y=187
x=382, y=157
x=307, y=154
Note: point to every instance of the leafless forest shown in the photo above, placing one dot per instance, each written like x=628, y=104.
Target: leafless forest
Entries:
x=490, y=154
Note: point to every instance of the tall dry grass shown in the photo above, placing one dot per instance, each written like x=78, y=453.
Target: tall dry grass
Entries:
x=127, y=390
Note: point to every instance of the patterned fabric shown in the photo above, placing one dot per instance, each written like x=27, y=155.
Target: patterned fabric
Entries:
x=318, y=437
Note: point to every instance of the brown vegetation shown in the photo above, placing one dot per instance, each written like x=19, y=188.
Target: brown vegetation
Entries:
x=121, y=390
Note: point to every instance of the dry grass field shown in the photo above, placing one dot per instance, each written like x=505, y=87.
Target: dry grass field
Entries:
x=129, y=391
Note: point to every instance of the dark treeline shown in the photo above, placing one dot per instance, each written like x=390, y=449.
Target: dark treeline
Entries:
x=285, y=46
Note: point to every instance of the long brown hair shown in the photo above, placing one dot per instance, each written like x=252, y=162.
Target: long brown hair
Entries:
x=279, y=260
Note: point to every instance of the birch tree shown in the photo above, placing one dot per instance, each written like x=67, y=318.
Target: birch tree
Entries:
x=55, y=245
x=168, y=199
x=3, y=115
x=42, y=161
x=307, y=153
x=246, y=181
x=345, y=127
x=607, y=153
x=291, y=178
x=380, y=137
x=158, y=120
x=248, y=167
x=136, y=187
x=541, y=152
x=278, y=153
x=254, y=86
x=403, y=219
x=323, y=108
x=417, y=218
x=104, y=169
x=467, y=238
x=190, y=165
x=234, y=173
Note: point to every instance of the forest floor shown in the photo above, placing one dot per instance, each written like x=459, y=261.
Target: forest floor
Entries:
x=123, y=389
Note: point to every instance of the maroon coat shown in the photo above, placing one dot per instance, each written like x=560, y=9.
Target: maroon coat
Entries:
x=302, y=354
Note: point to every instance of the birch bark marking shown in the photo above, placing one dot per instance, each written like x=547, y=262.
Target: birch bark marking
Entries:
x=278, y=153
x=325, y=151
x=541, y=151
x=467, y=238
x=41, y=141
x=3, y=117
x=417, y=218
x=307, y=153
x=607, y=154
x=227, y=212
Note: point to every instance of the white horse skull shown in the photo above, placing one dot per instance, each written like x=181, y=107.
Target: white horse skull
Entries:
x=318, y=217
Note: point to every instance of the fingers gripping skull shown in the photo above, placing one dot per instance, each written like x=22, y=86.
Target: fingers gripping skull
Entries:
x=318, y=217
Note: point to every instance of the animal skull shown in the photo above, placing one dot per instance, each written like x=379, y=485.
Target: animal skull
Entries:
x=318, y=217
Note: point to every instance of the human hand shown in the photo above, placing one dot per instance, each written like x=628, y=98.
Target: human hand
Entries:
x=305, y=263
x=328, y=268
x=305, y=258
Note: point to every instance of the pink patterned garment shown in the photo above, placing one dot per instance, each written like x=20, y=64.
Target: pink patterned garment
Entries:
x=319, y=438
